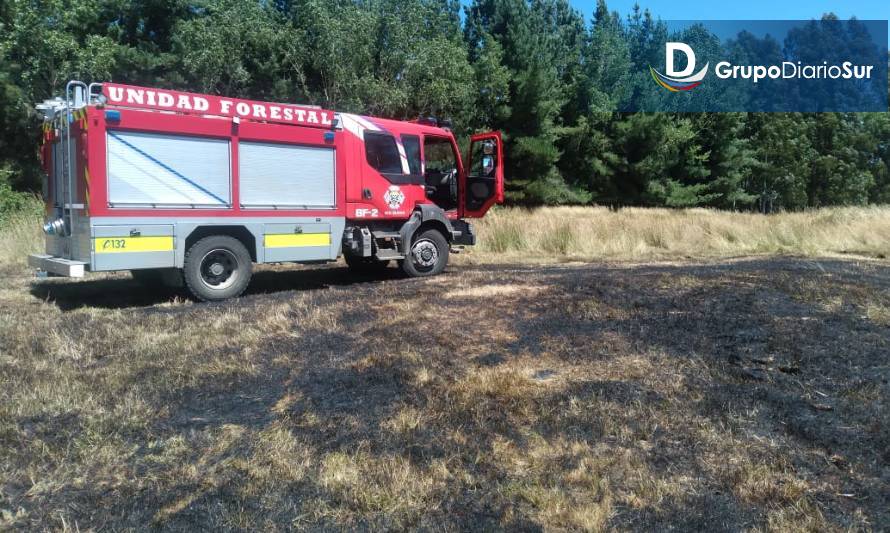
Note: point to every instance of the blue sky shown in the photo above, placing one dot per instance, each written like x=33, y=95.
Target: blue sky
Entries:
x=748, y=9
x=745, y=9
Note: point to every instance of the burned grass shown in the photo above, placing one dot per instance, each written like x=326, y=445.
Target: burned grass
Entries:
x=727, y=395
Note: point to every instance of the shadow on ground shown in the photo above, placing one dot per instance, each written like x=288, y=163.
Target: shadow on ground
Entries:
x=121, y=291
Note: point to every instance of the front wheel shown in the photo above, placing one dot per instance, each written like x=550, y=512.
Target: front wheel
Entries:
x=427, y=256
x=217, y=268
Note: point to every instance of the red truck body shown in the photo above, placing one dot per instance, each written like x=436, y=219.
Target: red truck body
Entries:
x=137, y=177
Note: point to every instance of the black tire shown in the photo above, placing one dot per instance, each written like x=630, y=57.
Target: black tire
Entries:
x=427, y=256
x=217, y=268
x=366, y=266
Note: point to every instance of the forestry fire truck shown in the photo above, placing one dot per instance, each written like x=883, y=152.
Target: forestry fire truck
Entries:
x=195, y=188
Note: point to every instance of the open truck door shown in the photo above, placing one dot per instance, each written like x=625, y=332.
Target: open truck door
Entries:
x=483, y=184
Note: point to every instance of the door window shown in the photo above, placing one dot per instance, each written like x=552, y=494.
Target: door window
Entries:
x=440, y=171
x=412, y=150
x=483, y=159
x=439, y=155
x=483, y=181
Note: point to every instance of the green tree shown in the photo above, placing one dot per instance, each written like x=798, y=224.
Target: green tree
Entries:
x=783, y=154
x=543, y=44
x=877, y=151
x=840, y=173
x=556, y=87
x=492, y=82
x=730, y=158
x=240, y=48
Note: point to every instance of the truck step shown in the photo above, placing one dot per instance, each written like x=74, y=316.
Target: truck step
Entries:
x=386, y=255
x=57, y=265
x=387, y=234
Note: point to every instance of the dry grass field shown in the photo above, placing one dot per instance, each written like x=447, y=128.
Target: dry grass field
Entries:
x=585, y=233
x=619, y=394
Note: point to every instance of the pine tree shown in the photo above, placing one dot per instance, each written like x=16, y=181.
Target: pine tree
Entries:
x=556, y=87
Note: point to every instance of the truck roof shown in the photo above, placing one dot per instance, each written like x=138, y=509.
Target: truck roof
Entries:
x=152, y=99
x=405, y=126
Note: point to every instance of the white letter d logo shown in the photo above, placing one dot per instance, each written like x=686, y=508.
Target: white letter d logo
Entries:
x=669, y=49
x=679, y=81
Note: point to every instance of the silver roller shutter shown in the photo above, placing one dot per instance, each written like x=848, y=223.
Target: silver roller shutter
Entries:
x=168, y=170
x=280, y=175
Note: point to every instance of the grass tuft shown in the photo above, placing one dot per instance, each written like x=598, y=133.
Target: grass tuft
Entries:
x=21, y=233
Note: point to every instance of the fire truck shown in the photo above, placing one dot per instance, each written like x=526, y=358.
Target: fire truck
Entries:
x=193, y=189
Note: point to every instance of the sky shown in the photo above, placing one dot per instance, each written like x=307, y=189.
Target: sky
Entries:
x=748, y=9
x=745, y=9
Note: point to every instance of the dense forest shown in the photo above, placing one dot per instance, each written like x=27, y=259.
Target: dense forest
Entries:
x=551, y=78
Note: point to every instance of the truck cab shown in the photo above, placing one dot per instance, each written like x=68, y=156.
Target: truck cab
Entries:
x=414, y=170
x=424, y=159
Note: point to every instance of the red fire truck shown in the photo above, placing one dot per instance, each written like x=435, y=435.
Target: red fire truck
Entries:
x=195, y=188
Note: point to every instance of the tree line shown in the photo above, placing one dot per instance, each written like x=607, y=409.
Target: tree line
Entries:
x=551, y=78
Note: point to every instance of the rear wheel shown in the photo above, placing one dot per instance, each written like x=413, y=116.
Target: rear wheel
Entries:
x=217, y=268
x=428, y=254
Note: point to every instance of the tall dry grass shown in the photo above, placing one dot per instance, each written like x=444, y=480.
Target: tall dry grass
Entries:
x=590, y=233
x=585, y=233
x=21, y=233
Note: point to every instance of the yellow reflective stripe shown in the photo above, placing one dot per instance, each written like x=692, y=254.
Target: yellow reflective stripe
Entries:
x=106, y=245
x=293, y=240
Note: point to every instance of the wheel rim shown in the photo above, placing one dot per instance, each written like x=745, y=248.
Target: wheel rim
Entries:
x=424, y=254
x=219, y=269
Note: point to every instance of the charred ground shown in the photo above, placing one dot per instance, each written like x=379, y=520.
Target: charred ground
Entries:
x=719, y=395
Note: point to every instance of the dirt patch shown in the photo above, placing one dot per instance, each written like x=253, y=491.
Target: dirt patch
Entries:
x=494, y=291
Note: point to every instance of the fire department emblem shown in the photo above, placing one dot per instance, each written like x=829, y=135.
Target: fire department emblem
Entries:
x=394, y=197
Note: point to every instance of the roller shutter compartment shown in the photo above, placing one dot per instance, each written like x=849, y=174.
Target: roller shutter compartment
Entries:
x=286, y=176
x=153, y=170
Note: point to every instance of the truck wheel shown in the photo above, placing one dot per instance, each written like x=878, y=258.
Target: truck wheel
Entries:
x=216, y=268
x=427, y=256
x=365, y=265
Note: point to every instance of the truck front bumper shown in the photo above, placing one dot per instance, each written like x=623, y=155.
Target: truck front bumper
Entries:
x=463, y=233
x=57, y=265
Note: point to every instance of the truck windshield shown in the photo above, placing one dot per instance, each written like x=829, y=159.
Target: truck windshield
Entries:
x=382, y=153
